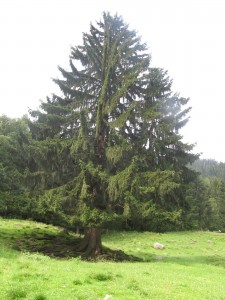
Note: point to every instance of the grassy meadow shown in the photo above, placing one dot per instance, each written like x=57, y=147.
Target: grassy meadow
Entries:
x=37, y=263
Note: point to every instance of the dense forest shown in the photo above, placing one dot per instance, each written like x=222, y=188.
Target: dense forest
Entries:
x=209, y=168
x=107, y=152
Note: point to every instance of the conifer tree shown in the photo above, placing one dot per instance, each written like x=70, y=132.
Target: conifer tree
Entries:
x=14, y=138
x=111, y=139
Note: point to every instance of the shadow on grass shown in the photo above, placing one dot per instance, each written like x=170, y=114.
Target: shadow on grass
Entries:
x=56, y=245
x=212, y=260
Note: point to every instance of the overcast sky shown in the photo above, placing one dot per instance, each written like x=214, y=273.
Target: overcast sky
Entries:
x=187, y=38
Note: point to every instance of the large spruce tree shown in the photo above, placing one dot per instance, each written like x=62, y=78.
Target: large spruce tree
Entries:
x=109, y=145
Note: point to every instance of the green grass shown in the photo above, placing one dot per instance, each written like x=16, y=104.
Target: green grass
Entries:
x=192, y=265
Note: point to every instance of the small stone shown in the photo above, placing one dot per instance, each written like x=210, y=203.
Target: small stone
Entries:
x=159, y=246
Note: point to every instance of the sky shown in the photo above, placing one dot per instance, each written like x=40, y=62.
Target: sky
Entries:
x=185, y=37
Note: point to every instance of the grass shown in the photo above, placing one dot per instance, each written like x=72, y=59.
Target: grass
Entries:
x=192, y=265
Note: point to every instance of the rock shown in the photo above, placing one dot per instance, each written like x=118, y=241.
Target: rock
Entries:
x=107, y=297
x=158, y=246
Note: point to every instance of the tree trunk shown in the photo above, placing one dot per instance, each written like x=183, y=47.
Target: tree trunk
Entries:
x=92, y=243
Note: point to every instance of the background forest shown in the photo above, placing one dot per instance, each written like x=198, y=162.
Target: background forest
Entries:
x=204, y=205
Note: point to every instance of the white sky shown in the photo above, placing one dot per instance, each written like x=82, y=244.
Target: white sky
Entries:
x=185, y=37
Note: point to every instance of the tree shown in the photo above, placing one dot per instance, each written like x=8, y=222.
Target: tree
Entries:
x=111, y=139
x=216, y=199
x=14, y=136
x=197, y=214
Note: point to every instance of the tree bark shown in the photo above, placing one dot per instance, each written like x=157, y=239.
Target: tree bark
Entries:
x=92, y=243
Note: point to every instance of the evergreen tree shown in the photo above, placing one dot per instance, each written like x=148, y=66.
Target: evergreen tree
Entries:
x=198, y=212
x=14, y=137
x=111, y=141
x=213, y=177
x=217, y=200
